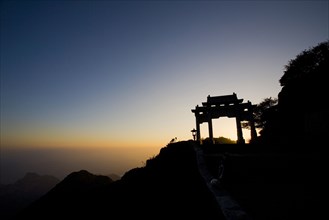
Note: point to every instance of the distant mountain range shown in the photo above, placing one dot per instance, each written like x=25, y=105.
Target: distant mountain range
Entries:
x=269, y=184
x=17, y=196
x=114, y=176
x=14, y=197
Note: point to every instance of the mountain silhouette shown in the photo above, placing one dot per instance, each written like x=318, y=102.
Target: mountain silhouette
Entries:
x=168, y=186
x=80, y=182
x=14, y=197
x=249, y=181
x=114, y=176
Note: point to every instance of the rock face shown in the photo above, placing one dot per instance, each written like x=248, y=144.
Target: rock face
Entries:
x=15, y=197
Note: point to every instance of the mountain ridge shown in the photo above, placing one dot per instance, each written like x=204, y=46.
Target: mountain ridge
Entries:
x=168, y=186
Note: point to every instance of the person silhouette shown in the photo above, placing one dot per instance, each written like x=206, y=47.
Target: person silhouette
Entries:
x=173, y=140
x=216, y=182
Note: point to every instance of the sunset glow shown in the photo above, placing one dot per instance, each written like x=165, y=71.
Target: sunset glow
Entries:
x=88, y=74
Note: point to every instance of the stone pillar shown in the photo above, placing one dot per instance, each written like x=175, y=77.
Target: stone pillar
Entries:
x=238, y=126
x=211, y=136
x=198, y=132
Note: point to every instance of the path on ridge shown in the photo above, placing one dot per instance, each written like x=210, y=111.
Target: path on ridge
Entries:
x=229, y=207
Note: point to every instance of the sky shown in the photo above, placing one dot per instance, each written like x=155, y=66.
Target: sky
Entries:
x=126, y=74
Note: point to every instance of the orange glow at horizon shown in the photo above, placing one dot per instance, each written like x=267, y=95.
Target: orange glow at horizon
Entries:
x=75, y=142
x=223, y=127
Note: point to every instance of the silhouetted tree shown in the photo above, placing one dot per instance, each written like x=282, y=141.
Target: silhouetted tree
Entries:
x=219, y=140
x=311, y=64
x=266, y=119
x=262, y=113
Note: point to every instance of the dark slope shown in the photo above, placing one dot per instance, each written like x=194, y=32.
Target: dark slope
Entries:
x=168, y=186
x=274, y=182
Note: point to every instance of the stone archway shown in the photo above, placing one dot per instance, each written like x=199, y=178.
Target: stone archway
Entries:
x=225, y=106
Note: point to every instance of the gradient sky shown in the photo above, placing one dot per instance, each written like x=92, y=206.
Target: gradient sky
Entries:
x=128, y=73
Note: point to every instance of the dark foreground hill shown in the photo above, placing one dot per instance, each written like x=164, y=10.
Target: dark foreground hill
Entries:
x=169, y=186
x=267, y=182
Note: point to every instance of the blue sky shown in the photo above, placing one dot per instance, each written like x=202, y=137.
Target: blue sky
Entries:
x=123, y=73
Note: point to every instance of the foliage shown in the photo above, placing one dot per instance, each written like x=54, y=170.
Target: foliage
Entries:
x=220, y=140
x=263, y=113
x=311, y=63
